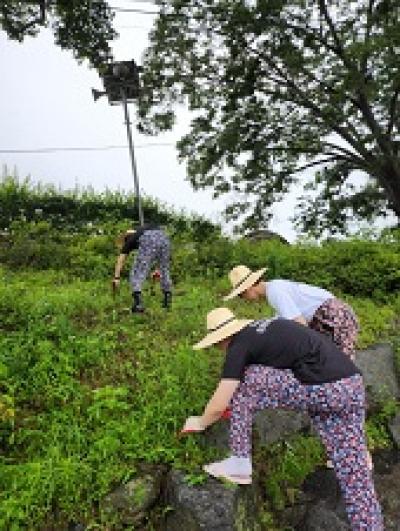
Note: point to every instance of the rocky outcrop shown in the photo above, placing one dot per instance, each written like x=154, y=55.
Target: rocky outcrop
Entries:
x=323, y=517
x=275, y=425
x=324, y=509
x=211, y=506
x=387, y=485
x=215, y=506
x=377, y=366
x=394, y=428
x=129, y=503
x=269, y=426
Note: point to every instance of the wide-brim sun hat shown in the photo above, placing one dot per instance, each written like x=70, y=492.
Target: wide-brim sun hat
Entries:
x=242, y=278
x=221, y=324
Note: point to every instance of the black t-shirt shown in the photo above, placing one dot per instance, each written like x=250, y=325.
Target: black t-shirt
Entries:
x=132, y=240
x=285, y=344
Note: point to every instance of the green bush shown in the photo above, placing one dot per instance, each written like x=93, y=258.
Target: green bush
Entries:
x=353, y=267
x=362, y=268
x=85, y=210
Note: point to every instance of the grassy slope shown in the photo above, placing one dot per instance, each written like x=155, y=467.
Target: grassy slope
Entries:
x=97, y=390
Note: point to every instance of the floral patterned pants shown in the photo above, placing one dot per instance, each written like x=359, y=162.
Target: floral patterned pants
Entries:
x=337, y=411
x=154, y=246
x=337, y=319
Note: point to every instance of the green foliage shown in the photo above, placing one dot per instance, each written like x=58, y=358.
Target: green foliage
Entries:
x=87, y=212
x=84, y=27
x=88, y=392
x=378, y=434
x=94, y=392
x=285, y=465
x=377, y=320
x=279, y=87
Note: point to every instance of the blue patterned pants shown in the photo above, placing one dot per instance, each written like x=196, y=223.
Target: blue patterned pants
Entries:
x=154, y=247
x=337, y=411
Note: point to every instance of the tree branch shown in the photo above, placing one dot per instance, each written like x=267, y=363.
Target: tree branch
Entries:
x=364, y=60
x=317, y=163
x=339, y=48
x=393, y=109
x=305, y=102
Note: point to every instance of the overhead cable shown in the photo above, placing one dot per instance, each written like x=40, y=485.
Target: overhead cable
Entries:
x=90, y=148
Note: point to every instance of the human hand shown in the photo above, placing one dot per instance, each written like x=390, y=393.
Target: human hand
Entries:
x=156, y=275
x=193, y=424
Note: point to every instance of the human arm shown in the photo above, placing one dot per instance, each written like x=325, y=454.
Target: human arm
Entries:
x=300, y=319
x=119, y=264
x=219, y=401
x=215, y=407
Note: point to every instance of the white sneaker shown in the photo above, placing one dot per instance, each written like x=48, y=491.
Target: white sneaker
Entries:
x=219, y=470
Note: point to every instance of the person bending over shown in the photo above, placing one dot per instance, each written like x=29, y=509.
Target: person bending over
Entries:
x=279, y=363
x=307, y=304
x=152, y=246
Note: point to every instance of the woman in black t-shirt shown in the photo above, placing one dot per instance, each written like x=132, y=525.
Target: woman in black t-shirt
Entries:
x=278, y=363
x=152, y=245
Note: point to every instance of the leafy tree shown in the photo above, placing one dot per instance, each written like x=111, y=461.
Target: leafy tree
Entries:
x=83, y=26
x=279, y=87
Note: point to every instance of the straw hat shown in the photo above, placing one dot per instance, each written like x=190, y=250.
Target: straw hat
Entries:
x=242, y=278
x=221, y=323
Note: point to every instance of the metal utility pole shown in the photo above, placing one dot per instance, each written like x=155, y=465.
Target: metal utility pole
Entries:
x=121, y=84
x=132, y=154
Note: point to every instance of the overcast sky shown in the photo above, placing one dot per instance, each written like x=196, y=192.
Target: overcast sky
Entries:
x=46, y=101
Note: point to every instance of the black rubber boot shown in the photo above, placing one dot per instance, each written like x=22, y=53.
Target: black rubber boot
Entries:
x=167, y=299
x=137, y=306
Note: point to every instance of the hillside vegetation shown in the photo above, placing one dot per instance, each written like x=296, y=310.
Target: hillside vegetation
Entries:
x=89, y=391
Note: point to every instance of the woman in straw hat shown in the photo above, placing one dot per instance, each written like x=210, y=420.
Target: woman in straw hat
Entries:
x=278, y=363
x=153, y=245
x=307, y=304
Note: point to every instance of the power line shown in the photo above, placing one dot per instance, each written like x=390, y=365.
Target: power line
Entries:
x=59, y=149
x=133, y=10
x=140, y=1
x=148, y=28
x=118, y=9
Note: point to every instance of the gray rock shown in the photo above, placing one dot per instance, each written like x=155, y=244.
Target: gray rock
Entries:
x=129, y=502
x=76, y=527
x=326, y=509
x=211, y=506
x=377, y=366
x=270, y=425
x=273, y=425
x=322, y=485
x=217, y=435
x=387, y=487
x=394, y=428
x=323, y=517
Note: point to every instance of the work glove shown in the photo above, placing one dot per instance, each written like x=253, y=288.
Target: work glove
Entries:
x=193, y=424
